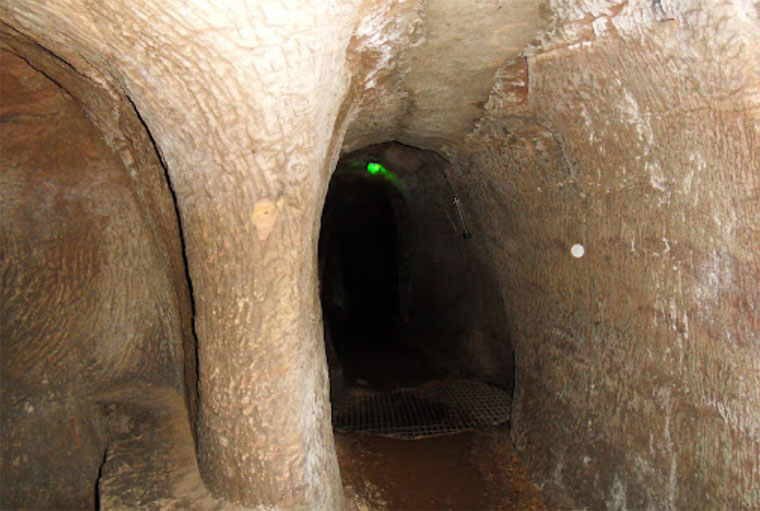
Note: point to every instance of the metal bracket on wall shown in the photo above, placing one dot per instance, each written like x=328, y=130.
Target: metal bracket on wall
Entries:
x=465, y=233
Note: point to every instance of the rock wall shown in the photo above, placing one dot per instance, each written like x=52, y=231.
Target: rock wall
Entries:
x=632, y=130
x=244, y=103
x=123, y=132
x=88, y=303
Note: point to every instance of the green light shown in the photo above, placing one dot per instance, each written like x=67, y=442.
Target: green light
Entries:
x=375, y=168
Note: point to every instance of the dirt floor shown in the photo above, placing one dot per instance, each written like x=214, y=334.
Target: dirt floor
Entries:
x=470, y=470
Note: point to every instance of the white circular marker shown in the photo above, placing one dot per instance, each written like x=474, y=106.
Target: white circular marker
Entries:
x=577, y=250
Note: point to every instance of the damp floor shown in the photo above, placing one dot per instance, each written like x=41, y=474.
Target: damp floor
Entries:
x=473, y=470
x=476, y=469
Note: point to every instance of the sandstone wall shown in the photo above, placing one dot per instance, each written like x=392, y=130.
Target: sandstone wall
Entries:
x=87, y=304
x=634, y=133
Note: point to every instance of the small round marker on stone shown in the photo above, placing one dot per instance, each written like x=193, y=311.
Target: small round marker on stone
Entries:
x=577, y=251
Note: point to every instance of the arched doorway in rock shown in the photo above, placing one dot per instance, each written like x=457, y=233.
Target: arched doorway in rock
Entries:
x=407, y=296
x=364, y=276
x=415, y=333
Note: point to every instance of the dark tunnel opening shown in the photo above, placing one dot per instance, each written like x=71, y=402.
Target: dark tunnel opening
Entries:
x=362, y=277
x=362, y=270
x=419, y=358
x=407, y=300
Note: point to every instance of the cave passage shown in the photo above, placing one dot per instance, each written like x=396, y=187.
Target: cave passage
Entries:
x=405, y=297
x=585, y=243
x=361, y=257
x=420, y=367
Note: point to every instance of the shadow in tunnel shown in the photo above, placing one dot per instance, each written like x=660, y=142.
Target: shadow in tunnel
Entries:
x=362, y=278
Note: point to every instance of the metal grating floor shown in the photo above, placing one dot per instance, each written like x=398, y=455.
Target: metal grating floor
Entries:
x=436, y=408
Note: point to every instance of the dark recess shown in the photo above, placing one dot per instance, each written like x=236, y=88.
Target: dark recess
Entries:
x=359, y=247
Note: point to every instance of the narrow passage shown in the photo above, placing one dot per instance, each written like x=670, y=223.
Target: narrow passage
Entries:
x=420, y=369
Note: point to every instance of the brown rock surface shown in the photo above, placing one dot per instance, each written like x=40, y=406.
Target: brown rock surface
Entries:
x=631, y=128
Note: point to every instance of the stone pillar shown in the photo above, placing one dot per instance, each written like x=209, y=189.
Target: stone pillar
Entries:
x=241, y=101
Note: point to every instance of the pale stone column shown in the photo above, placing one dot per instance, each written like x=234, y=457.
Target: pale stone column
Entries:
x=241, y=99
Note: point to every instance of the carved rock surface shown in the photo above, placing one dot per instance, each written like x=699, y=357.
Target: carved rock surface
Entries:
x=631, y=128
